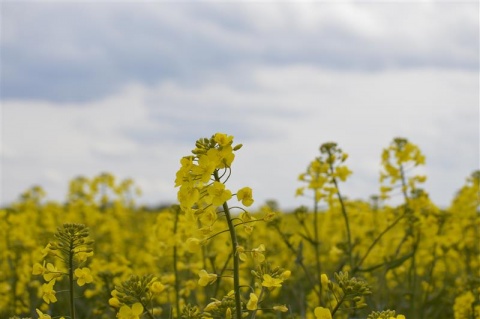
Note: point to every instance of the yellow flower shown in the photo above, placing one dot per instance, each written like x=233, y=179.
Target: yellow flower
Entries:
x=38, y=269
x=228, y=313
x=212, y=306
x=130, y=313
x=204, y=170
x=46, y=250
x=342, y=172
x=286, y=274
x=245, y=196
x=193, y=244
x=223, y=139
x=241, y=253
x=269, y=216
x=252, y=302
x=270, y=282
x=206, y=278
x=83, y=276
x=48, y=292
x=281, y=308
x=51, y=272
x=188, y=195
x=257, y=253
x=299, y=191
x=157, y=287
x=322, y=313
x=114, y=302
x=218, y=194
x=324, y=280
x=41, y=315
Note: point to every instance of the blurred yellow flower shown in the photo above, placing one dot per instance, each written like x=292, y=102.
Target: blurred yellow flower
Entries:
x=157, y=287
x=131, y=313
x=322, y=313
x=83, y=276
x=41, y=315
x=281, y=308
x=48, y=294
x=270, y=282
x=252, y=302
x=206, y=278
x=51, y=272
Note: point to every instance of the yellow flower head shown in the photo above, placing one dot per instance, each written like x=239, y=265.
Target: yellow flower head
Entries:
x=51, y=272
x=257, y=253
x=193, y=244
x=281, y=308
x=286, y=274
x=38, y=269
x=157, y=287
x=322, y=313
x=245, y=196
x=48, y=292
x=324, y=279
x=41, y=315
x=206, y=278
x=270, y=282
x=83, y=276
x=114, y=302
x=252, y=302
x=218, y=194
x=130, y=313
x=223, y=139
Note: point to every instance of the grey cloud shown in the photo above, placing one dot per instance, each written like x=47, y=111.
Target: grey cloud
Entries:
x=79, y=52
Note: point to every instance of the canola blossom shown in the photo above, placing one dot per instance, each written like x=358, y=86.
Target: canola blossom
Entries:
x=210, y=256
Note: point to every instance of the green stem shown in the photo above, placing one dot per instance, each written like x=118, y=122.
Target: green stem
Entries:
x=70, y=280
x=175, y=266
x=317, y=247
x=345, y=216
x=359, y=264
x=299, y=259
x=236, y=261
x=149, y=314
x=412, y=275
x=343, y=208
x=339, y=303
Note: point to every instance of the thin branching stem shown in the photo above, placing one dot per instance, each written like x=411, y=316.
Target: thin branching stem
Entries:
x=236, y=261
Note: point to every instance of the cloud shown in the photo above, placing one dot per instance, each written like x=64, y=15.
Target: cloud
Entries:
x=91, y=51
x=281, y=118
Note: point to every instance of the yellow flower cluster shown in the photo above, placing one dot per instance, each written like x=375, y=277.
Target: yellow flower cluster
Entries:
x=416, y=257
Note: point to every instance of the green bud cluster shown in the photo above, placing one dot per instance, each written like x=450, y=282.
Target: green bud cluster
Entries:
x=134, y=289
x=386, y=314
x=266, y=269
x=220, y=308
x=333, y=152
x=353, y=289
x=71, y=240
x=191, y=312
x=352, y=286
x=400, y=142
x=203, y=145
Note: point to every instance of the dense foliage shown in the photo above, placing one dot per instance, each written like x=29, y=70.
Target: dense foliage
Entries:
x=99, y=255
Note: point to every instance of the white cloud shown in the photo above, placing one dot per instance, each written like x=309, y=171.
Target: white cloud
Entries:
x=281, y=119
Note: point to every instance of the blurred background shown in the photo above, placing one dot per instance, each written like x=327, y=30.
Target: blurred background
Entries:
x=127, y=88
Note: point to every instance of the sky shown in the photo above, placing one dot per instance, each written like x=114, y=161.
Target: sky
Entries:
x=127, y=88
